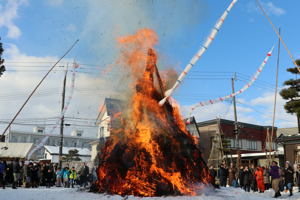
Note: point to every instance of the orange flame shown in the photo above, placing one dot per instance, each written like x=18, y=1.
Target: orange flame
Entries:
x=152, y=153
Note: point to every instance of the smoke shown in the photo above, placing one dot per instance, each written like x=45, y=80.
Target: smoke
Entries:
x=109, y=19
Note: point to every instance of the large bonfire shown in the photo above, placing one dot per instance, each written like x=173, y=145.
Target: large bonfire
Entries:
x=150, y=152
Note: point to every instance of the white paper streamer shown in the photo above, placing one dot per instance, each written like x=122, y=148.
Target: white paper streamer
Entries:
x=62, y=114
x=196, y=57
x=253, y=79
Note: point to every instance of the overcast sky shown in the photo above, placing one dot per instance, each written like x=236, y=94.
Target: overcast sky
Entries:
x=36, y=33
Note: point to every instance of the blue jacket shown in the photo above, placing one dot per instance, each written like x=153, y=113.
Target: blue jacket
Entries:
x=59, y=174
x=66, y=174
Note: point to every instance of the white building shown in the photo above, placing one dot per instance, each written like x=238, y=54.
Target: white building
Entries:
x=108, y=116
x=52, y=153
x=75, y=140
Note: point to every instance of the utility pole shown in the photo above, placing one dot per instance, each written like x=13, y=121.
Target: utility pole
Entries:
x=36, y=87
x=62, y=120
x=236, y=128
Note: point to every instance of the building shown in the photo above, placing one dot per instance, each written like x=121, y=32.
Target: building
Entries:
x=251, y=138
x=74, y=140
x=10, y=151
x=291, y=146
x=108, y=116
x=52, y=153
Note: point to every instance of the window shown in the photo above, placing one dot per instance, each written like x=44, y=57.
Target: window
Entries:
x=253, y=145
x=14, y=139
x=108, y=126
x=35, y=140
x=235, y=144
x=259, y=145
x=245, y=144
x=101, y=132
x=274, y=146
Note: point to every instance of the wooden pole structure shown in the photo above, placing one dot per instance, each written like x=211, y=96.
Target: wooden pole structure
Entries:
x=61, y=144
x=276, y=92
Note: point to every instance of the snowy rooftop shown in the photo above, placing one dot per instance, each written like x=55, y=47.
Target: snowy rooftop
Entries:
x=55, y=150
x=14, y=150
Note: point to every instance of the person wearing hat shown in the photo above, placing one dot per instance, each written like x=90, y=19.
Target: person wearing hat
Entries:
x=289, y=177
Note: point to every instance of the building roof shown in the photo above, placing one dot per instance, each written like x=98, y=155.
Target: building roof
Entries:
x=50, y=135
x=15, y=150
x=55, y=150
x=230, y=122
x=289, y=139
x=111, y=106
x=287, y=131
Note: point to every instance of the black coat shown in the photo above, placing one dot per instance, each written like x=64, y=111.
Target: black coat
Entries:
x=213, y=173
x=289, y=175
x=16, y=167
x=48, y=176
x=241, y=177
x=223, y=172
x=247, y=177
x=34, y=173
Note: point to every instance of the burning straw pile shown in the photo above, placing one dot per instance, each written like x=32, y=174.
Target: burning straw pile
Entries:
x=151, y=153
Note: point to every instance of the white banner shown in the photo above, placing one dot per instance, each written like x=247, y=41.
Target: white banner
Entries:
x=196, y=57
x=253, y=79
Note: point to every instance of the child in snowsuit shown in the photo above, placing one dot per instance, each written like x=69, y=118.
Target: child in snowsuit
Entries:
x=73, y=176
x=259, y=175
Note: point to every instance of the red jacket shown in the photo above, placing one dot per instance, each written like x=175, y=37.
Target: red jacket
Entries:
x=259, y=174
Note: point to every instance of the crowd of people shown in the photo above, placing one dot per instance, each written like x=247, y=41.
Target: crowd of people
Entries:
x=258, y=179
x=33, y=174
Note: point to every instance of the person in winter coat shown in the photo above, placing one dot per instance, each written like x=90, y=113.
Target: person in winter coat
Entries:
x=259, y=175
x=59, y=176
x=48, y=178
x=2, y=174
x=274, y=172
x=73, y=176
x=223, y=174
x=281, y=179
x=84, y=172
x=9, y=177
x=16, y=168
x=298, y=177
x=34, y=175
x=66, y=175
x=266, y=178
x=213, y=174
x=289, y=177
x=253, y=179
x=247, y=179
x=241, y=176
x=232, y=175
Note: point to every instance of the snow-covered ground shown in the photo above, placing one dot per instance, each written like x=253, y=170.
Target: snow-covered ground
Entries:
x=74, y=194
